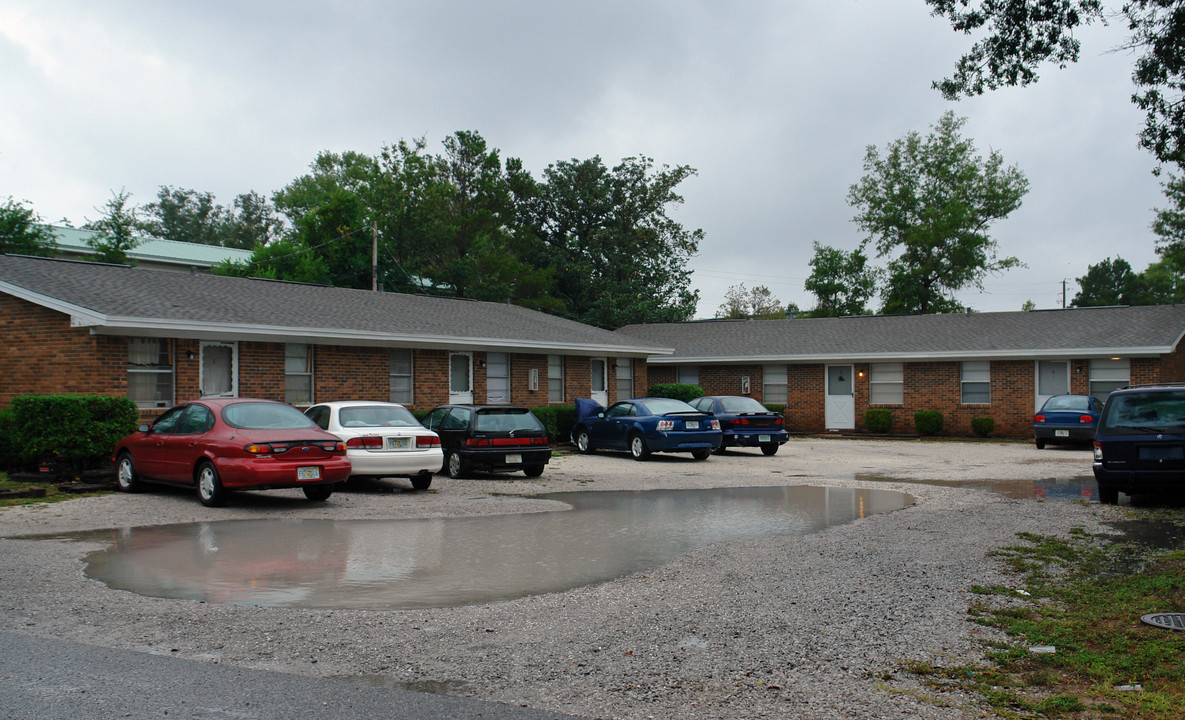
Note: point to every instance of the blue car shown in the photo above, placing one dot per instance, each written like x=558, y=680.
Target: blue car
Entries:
x=745, y=422
x=1139, y=446
x=1067, y=419
x=645, y=425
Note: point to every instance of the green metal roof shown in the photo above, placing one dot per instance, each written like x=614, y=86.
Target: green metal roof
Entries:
x=72, y=241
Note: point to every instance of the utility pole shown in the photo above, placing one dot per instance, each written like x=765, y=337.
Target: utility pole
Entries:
x=1063, y=292
x=374, y=256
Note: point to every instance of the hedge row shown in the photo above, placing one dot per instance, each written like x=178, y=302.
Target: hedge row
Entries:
x=78, y=431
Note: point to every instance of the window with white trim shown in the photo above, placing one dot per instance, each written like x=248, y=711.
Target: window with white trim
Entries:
x=976, y=382
x=150, y=372
x=886, y=384
x=773, y=387
x=401, y=376
x=625, y=378
x=687, y=375
x=555, y=378
x=298, y=374
x=1107, y=375
x=497, y=378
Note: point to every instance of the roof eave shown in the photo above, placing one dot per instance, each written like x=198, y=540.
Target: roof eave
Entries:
x=1010, y=354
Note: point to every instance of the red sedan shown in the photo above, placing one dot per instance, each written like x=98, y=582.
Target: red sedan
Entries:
x=225, y=444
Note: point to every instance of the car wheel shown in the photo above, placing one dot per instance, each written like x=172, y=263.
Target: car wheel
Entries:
x=318, y=493
x=533, y=470
x=769, y=449
x=210, y=490
x=125, y=474
x=1040, y=443
x=1108, y=495
x=582, y=444
x=638, y=446
x=456, y=466
x=421, y=481
x=721, y=450
x=703, y=454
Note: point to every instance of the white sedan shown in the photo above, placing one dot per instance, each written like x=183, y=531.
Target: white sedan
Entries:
x=382, y=440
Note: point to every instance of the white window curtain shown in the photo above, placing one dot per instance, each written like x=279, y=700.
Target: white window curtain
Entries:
x=886, y=383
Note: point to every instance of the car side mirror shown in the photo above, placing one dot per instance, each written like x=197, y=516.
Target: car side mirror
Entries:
x=601, y=415
x=144, y=428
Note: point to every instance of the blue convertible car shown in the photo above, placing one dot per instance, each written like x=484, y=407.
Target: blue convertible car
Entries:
x=645, y=425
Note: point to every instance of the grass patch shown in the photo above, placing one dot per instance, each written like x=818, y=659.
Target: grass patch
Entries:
x=52, y=493
x=1085, y=596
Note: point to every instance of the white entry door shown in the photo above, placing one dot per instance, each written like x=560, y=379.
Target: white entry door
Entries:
x=599, y=378
x=219, y=371
x=460, y=377
x=840, y=408
x=1053, y=378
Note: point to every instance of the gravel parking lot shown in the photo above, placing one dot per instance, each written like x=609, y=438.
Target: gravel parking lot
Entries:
x=803, y=627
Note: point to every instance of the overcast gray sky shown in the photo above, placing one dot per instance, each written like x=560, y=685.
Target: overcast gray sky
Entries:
x=772, y=102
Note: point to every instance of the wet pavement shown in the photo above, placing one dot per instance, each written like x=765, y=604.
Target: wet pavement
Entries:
x=440, y=562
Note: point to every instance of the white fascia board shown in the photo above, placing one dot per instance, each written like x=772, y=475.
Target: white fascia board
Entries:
x=146, y=327
x=1045, y=354
x=79, y=316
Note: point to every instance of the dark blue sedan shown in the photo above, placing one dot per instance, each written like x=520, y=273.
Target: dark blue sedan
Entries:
x=1067, y=419
x=745, y=422
x=645, y=425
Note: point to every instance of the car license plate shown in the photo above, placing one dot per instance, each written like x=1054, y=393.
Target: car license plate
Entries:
x=693, y=424
x=308, y=473
x=1061, y=433
x=398, y=443
x=763, y=438
x=514, y=459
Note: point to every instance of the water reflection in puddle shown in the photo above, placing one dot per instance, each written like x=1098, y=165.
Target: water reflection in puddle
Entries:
x=372, y=564
x=1081, y=487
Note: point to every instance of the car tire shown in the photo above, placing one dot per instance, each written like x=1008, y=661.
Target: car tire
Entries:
x=318, y=493
x=455, y=466
x=702, y=454
x=581, y=442
x=1040, y=443
x=1108, y=494
x=209, y=486
x=125, y=474
x=533, y=470
x=769, y=449
x=638, y=446
x=422, y=481
x=721, y=450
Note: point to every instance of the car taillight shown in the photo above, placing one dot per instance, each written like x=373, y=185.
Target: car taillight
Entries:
x=1085, y=419
x=664, y=425
x=370, y=442
x=780, y=420
x=427, y=441
x=259, y=449
x=715, y=424
x=1038, y=418
x=741, y=421
x=1098, y=451
x=505, y=442
x=328, y=446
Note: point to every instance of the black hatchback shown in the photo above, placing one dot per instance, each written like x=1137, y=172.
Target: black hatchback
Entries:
x=1139, y=445
x=493, y=438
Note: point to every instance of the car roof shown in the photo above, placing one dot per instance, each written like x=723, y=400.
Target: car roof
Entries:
x=482, y=407
x=221, y=402
x=357, y=403
x=1157, y=387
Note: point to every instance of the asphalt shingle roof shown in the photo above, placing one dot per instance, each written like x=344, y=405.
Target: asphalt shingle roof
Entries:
x=121, y=300
x=1126, y=331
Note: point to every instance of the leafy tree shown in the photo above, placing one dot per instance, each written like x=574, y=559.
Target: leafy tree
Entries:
x=758, y=303
x=21, y=231
x=616, y=254
x=928, y=204
x=190, y=216
x=114, y=234
x=841, y=282
x=1110, y=282
x=1021, y=35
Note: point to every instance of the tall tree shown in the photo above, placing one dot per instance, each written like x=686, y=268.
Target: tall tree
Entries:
x=187, y=215
x=928, y=204
x=21, y=231
x=114, y=234
x=1110, y=282
x=841, y=282
x=758, y=304
x=1018, y=36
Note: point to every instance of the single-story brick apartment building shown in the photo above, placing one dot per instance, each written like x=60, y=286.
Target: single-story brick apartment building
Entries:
x=162, y=337
x=829, y=371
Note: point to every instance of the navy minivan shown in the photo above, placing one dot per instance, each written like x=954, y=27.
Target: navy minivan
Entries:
x=1140, y=442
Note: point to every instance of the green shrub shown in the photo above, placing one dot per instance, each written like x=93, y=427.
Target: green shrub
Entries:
x=779, y=409
x=557, y=419
x=8, y=445
x=678, y=391
x=77, y=430
x=927, y=422
x=878, y=420
x=982, y=426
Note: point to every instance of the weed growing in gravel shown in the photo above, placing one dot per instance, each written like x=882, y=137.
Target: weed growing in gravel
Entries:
x=1082, y=597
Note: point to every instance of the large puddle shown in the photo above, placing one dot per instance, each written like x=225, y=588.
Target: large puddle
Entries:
x=387, y=564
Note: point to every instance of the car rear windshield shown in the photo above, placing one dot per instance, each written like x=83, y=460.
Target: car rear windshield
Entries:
x=502, y=420
x=741, y=405
x=1154, y=410
x=666, y=406
x=377, y=416
x=1068, y=402
x=265, y=416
